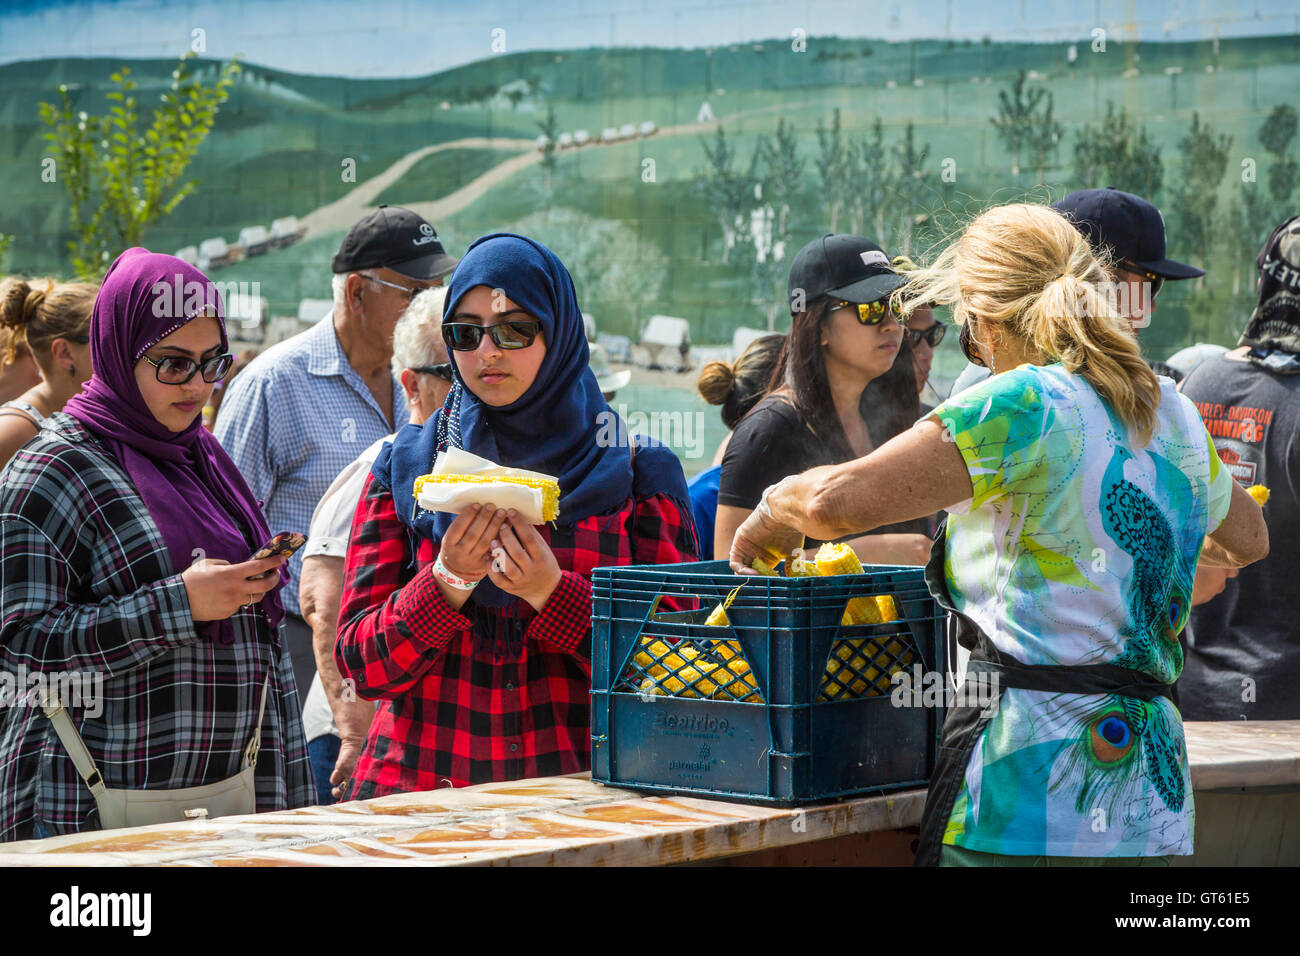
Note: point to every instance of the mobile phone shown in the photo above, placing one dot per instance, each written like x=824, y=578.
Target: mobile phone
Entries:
x=285, y=543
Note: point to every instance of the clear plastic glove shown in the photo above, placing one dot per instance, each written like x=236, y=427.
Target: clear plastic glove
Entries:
x=761, y=536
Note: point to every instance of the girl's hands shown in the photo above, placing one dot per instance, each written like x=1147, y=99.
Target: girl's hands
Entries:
x=523, y=563
x=466, y=548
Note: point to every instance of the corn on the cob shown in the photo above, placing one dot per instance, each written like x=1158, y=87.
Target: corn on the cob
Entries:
x=1260, y=493
x=841, y=559
x=765, y=568
x=550, y=490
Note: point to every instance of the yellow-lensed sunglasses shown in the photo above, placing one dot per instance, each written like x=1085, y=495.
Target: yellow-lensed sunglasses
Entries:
x=871, y=313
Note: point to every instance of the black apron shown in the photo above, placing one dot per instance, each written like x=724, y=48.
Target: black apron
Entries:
x=965, y=724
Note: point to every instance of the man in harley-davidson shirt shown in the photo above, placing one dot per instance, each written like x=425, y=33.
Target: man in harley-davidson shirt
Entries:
x=1243, y=647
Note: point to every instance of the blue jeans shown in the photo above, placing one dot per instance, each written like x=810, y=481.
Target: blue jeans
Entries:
x=324, y=753
x=41, y=830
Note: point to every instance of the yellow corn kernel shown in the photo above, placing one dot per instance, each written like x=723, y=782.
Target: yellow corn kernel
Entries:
x=763, y=567
x=718, y=617
x=1260, y=493
x=549, y=489
x=837, y=559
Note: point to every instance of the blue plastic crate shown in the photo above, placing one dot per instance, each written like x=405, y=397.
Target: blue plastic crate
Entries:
x=792, y=747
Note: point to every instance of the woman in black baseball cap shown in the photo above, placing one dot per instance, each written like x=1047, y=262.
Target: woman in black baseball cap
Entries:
x=843, y=338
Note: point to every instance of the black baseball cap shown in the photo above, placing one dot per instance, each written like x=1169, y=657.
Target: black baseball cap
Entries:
x=847, y=267
x=394, y=238
x=1131, y=226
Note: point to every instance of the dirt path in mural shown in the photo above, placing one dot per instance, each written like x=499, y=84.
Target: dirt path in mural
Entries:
x=343, y=212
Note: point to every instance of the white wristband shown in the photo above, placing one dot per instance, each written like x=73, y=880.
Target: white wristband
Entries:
x=451, y=580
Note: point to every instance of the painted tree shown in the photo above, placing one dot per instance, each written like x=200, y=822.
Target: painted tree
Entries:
x=725, y=191
x=911, y=193
x=777, y=170
x=832, y=168
x=1275, y=134
x=1042, y=139
x=1024, y=115
x=1257, y=209
x=870, y=181
x=550, y=129
x=1120, y=153
x=122, y=175
x=1195, y=202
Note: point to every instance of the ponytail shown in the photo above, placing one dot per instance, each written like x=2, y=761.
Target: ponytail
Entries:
x=1028, y=273
x=1071, y=321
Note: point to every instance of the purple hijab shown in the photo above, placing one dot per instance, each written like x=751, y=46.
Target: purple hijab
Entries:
x=191, y=488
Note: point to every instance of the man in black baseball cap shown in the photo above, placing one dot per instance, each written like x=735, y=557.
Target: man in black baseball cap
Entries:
x=1132, y=231
x=849, y=268
x=394, y=238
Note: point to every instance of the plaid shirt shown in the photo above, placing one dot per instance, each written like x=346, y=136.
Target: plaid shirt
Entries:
x=295, y=418
x=451, y=714
x=87, y=585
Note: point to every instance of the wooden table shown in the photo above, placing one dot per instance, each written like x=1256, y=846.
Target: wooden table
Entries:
x=1246, y=777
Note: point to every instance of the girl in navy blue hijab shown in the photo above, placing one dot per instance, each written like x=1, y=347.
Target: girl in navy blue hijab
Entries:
x=474, y=629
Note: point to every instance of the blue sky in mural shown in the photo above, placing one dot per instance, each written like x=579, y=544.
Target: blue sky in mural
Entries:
x=413, y=37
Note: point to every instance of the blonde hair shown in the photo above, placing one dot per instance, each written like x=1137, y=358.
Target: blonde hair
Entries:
x=417, y=337
x=35, y=312
x=1026, y=272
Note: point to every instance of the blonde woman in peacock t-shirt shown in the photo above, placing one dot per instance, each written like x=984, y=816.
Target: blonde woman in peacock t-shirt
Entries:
x=1081, y=491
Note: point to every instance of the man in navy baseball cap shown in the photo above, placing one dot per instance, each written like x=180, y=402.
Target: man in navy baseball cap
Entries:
x=1132, y=231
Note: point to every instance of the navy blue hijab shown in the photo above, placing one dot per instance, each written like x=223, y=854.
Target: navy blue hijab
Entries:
x=552, y=428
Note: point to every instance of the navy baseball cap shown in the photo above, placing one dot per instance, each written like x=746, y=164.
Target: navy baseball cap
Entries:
x=394, y=238
x=847, y=267
x=1129, y=225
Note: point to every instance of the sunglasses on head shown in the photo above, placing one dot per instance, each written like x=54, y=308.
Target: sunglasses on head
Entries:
x=514, y=334
x=1157, y=282
x=177, y=370
x=442, y=371
x=933, y=335
x=870, y=313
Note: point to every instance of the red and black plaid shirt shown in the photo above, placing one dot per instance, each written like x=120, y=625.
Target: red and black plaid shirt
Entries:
x=451, y=713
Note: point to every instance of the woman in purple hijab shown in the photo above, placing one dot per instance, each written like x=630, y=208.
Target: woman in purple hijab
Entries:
x=125, y=584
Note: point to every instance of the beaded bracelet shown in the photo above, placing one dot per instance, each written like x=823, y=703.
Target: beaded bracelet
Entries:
x=452, y=580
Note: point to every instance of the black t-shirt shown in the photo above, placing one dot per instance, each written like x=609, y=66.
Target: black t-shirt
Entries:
x=1243, y=647
x=771, y=443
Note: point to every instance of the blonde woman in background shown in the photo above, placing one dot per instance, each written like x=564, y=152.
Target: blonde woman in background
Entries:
x=1080, y=491
x=18, y=370
x=50, y=321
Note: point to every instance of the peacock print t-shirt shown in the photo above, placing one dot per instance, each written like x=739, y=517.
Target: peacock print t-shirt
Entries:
x=1077, y=547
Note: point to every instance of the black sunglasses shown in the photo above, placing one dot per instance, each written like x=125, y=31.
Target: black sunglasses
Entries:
x=442, y=371
x=175, y=370
x=514, y=334
x=933, y=335
x=967, y=346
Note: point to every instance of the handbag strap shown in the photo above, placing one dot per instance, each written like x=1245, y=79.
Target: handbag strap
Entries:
x=85, y=763
x=76, y=747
